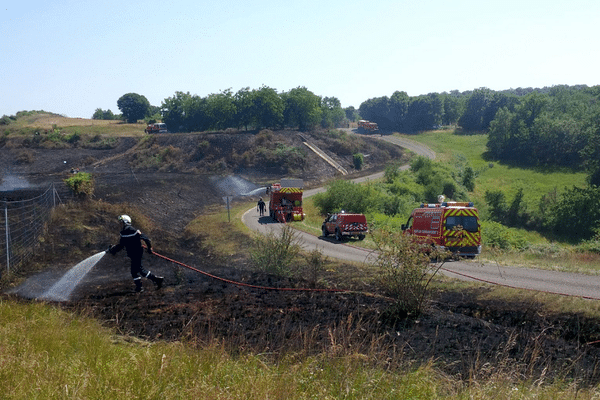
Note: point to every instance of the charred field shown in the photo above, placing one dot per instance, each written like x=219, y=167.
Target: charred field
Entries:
x=165, y=182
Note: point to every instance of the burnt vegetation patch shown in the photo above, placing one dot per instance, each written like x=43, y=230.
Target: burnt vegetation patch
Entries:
x=462, y=332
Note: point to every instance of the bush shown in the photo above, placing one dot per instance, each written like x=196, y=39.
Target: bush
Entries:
x=344, y=195
x=25, y=156
x=405, y=269
x=499, y=236
x=275, y=254
x=82, y=184
x=315, y=262
x=359, y=161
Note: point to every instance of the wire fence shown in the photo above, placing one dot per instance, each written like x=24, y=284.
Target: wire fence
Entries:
x=22, y=222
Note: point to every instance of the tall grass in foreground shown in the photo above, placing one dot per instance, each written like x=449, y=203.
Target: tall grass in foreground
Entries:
x=47, y=353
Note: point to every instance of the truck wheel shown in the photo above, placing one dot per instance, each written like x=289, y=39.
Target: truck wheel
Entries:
x=338, y=235
x=361, y=237
x=324, y=230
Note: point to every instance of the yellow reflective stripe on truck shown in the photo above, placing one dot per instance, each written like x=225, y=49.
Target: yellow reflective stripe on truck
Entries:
x=290, y=190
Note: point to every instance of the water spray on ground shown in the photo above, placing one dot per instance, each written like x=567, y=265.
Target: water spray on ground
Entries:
x=61, y=290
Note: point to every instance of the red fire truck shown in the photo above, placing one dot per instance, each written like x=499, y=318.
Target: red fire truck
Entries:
x=159, y=127
x=285, y=200
x=365, y=126
x=448, y=225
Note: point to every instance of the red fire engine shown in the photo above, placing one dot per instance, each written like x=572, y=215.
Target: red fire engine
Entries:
x=365, y=126
x=452, y=226
x=285, y=200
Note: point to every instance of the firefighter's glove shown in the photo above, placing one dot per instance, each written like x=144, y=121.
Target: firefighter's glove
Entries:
x=111, y=250
x=150, y=250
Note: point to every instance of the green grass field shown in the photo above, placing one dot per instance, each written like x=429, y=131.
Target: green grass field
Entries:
x=493, y=175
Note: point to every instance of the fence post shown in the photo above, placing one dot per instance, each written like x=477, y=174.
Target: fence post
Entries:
x=7, y=237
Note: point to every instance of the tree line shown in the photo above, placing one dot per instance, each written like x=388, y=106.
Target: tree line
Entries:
x=552, y=126
x=298, y=108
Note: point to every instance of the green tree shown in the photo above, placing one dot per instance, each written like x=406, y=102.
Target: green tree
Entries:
x=302, y=109
x=172, y=109
x=101, y=114
x=477, y=104
x=398, y=111
x=267, y=108
x=221, y=110
x=577, y=213
x=453, y=107
x=82, y=184
x=98, y=114
x=351, y=114
x=359, y=160
x=133, y=106
x=276, y=254
x=344, y=195
x=243, y=107
x=468, y=178
x=405, y=270
x=378, y=110
x=332, y=113
x=500, y=133
x=497, y=203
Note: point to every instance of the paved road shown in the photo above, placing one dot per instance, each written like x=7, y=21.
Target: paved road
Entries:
x=493, y=273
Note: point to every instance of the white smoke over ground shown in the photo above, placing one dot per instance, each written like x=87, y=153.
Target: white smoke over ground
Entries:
x=12, y=182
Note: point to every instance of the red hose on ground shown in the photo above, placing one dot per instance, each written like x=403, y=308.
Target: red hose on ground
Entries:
x=247, y=284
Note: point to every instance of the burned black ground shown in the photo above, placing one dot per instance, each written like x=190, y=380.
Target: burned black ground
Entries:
x=462, y=334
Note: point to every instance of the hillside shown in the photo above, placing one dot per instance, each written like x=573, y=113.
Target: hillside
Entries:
x=166, y=181
x=154, y=170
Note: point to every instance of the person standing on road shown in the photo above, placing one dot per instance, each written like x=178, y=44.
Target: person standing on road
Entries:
x=260, y=207
x=131, y=240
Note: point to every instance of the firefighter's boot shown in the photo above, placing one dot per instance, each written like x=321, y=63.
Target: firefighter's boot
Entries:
x=138, y=285
x=158, y=280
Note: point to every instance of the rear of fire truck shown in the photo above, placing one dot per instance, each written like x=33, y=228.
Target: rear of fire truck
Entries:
x=285, y=200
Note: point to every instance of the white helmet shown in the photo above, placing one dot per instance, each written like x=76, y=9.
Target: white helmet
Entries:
x=126, y=219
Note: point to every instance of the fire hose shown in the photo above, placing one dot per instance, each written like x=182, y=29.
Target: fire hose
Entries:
x=229, y=281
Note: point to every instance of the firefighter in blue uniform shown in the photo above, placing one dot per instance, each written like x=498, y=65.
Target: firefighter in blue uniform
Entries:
x=131, y=240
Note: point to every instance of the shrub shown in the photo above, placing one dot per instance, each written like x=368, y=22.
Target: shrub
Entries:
x=25, y=157
x=315, y=262
x=82, y=184
x=274, y=254
x=359, y=161
x=499, y=236
x=405, y=269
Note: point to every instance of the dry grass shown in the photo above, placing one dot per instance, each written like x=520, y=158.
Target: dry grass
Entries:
x=85, y=360
x=47, y=122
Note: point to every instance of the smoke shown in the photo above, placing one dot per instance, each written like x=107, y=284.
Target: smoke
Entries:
x=12, y=182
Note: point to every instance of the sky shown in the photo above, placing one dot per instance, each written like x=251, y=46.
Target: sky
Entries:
x=72, y=57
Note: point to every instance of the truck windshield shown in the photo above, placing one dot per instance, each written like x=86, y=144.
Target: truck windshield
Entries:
x=468, y=223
